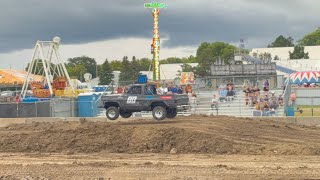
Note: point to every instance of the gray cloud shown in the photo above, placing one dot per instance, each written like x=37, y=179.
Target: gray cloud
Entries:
x=185, y=22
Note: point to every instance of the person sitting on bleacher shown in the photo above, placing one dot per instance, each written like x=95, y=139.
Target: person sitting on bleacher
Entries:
x=223, y=95
x=247, y=94
x=230, y=92
x=266, y=108
x=273, y=108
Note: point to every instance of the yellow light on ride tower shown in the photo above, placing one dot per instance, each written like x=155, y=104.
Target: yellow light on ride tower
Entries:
x=156, y=38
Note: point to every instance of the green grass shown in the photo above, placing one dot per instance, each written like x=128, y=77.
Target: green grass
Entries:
x=307, y=111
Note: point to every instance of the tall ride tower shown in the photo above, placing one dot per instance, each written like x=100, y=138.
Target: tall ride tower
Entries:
x=155, y=46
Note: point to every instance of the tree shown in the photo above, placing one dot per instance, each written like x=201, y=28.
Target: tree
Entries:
x=144, y=64
x=311, y=39
x=126, y=72
x=276, y=57
x=281, y=41
x=116, y=65
x=208, y=53
x=298, y=53
x=90, y=64
x=77, y=71
x=106, y=74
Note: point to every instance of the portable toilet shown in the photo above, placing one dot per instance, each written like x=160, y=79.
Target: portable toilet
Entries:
x=290, y=111
x=88, y=104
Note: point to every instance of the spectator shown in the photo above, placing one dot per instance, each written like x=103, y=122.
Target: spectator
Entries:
x=266, y=108
x=222, y=86
x=174, y=89
x=230, y=88
x=273, y=96
x=266, y=87
x=280, y=100
x=119, y=90
x=258, y=107
x=273, y=107
x=246, y=83
x=214, y=102
x=293, y=98
x=188, y=88
x=180, y=90
x=17, y=98
x=193, y=103
x=247, y=94
x=126, y=88
x=256, y=91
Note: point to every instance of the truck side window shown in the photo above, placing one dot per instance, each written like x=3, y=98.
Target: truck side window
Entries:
x=134, y=90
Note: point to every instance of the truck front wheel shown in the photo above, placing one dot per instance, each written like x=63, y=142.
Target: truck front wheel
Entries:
x=172, y=113
x=112, y=113
x=159, y=113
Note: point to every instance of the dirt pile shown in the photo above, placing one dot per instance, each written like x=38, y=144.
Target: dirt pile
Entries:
x=195, y=134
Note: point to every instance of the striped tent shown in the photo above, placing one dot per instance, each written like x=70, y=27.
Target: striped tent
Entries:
x=16, y=77
x=305, y=77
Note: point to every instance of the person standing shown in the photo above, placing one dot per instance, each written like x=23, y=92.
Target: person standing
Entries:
x=188, y=88
x=17, y=98
x=293, y=98
x=266, y=87
x=193, y=103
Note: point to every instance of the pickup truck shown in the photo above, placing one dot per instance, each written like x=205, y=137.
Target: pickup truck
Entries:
x=143, y=97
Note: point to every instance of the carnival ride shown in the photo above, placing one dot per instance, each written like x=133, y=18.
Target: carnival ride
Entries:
x=155, y=46
x=46, y=61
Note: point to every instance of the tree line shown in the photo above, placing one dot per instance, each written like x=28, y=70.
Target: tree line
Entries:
x=310, y=39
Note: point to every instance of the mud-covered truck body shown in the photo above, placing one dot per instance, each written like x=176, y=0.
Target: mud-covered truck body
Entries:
x=143, y=97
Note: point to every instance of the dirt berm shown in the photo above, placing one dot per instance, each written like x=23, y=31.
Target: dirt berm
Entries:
x=193, y=134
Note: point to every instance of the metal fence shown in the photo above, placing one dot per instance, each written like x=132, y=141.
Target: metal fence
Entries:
x=307, y=106
x=53, y=108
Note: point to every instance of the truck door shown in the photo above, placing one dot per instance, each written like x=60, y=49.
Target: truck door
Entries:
x=133, y=101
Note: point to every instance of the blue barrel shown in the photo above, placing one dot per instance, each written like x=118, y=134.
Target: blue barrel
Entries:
x=88, y=104
x=290, y=111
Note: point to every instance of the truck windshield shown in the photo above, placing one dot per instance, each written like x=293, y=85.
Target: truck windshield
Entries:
x=134, y=90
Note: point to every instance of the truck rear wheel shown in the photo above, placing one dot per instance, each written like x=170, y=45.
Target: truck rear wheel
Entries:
x=125, y=114
x=112, y=113
x=172, y=113
x=159, y=113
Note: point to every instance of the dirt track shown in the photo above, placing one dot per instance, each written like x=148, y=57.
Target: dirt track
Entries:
x=223, y=147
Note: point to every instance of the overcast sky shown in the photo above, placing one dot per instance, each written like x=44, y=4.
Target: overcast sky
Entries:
x=115, y=28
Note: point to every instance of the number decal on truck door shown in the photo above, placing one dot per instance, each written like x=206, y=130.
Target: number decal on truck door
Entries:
x=132, y=99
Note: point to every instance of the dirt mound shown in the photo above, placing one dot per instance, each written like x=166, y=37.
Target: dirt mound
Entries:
x=195, y=134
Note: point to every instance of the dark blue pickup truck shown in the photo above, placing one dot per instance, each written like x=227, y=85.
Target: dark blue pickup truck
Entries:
x=143, y=97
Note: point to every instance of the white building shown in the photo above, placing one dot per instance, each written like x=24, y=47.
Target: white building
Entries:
x=311, y=64
x=283, y=52
x=168, y=71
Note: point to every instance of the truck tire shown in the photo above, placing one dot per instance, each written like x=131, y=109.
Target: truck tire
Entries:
x=159, y=113
x=172, y=113
x=112, y=113
x=125, y=114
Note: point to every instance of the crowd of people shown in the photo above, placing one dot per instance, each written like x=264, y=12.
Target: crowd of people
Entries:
x=266, y=102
